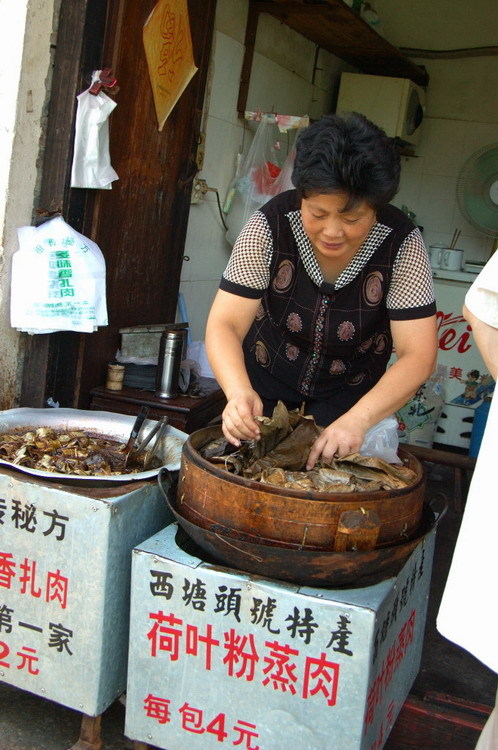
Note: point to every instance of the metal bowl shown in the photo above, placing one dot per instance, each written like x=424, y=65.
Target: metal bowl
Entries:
x=107, y=424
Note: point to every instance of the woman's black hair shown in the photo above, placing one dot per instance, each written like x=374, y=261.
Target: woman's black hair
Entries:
x=347, y=154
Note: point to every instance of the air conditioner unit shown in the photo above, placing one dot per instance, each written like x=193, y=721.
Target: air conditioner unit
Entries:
x=395, y=104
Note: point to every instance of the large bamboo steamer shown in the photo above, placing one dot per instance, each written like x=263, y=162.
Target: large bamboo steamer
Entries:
x=208, y=495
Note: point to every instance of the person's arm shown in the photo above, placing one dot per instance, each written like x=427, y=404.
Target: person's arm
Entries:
x=415, y=343
x=486, y=338
x=228, y=322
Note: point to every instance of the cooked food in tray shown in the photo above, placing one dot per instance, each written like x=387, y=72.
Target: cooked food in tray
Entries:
x=67, y=452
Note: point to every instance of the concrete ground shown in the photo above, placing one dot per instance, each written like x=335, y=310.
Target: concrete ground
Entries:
x=28, y=722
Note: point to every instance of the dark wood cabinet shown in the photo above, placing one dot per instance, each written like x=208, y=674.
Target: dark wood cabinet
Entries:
x=186, y=413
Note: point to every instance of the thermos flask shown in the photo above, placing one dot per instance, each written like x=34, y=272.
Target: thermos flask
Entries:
x=171, y=354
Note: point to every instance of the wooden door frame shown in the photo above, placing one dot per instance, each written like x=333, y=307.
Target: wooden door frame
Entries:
x=53, y=362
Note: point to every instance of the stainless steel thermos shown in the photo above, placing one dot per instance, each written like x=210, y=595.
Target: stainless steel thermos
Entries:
x=171, y=354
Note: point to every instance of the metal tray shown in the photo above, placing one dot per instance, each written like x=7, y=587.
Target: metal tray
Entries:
x=108, y=424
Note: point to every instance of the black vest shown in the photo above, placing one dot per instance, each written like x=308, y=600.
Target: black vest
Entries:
x=318, y=340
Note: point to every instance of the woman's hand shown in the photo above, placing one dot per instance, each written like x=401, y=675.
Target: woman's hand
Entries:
x=238, y=416
x=229, y=320
x=415, y=343
x=343, y=436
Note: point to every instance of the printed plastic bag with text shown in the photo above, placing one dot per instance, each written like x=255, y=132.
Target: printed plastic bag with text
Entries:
x=57, y=281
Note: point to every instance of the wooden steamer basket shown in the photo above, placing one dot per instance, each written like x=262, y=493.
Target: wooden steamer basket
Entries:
x=208, y=495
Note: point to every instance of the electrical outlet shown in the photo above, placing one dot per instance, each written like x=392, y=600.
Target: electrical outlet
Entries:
x=199, y=190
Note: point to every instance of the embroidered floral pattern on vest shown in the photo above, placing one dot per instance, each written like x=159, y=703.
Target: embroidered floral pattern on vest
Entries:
x=337, y=367
x=373, y=288
x=345, y=330
x=292, y=352
x=294, y=322
x=285, y=275
x=262, y=354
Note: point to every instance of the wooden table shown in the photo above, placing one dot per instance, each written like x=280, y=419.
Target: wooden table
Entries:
x=186, y=413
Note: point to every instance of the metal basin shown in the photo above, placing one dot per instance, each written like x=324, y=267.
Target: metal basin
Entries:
x=99, y=423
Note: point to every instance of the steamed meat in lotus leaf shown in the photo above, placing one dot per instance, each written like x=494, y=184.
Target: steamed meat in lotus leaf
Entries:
x=279, y=459
x=65, y=452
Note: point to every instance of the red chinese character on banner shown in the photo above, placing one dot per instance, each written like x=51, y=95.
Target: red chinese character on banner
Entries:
x=57, y=586
x=321, y=676
x=405, y=638
x=192, y=640
x=7, y=569
x=246, y=733
x=241, y=650
x=28, y=659
x=157, y=708
x=390, y=714
x=280, y=669
x=28, y=579
x=165, y=638
x=191, y=719
x=455, y=373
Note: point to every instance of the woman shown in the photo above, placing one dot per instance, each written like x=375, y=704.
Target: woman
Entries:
x=322, y=282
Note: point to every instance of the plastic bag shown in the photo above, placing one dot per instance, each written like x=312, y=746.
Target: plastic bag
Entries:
x=58, y=280
x=382, y=441
x=417, y=420
x=91, y=166
x=265, y=172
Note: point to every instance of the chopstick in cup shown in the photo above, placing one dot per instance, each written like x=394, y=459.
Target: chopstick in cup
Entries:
x=456, y=235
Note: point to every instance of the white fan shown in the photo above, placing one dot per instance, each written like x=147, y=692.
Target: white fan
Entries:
x=477, y=190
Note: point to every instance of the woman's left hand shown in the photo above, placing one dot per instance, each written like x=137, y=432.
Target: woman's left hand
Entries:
x=343, y=436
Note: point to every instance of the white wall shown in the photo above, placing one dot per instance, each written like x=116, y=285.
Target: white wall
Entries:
x=461, y=116
x=281, y=82
x=25, y=44
x=461, y=113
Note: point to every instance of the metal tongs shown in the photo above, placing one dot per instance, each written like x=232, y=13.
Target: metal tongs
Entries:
x=131, y=445
x=153, y=440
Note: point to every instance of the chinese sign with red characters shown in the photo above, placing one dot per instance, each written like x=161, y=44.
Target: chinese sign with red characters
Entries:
x=65, y=568
x=220, y=659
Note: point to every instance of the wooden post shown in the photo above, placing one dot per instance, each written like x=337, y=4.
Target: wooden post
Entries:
x=90, y=738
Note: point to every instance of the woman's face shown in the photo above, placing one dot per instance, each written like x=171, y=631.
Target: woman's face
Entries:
x=336, y=235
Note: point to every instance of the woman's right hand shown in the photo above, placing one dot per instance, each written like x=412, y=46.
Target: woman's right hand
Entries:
x=243, y=405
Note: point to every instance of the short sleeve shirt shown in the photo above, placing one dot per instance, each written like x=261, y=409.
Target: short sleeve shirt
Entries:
x=482, y=297
x=314, y=337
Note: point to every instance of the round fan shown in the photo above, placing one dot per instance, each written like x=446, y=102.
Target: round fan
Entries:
x=477, y=190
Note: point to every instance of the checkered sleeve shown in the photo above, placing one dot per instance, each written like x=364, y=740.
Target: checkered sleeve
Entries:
x=249, y=264
x=411, y=292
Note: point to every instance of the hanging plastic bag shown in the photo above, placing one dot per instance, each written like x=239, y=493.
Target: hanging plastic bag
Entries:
x=91, y=166
x=265, y=172
x=58, y=280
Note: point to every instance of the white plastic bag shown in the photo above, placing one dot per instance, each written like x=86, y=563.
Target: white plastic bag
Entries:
x=91, y=166
x=265, y=172
x=418, y=419
x=381, y=441
x=58, y=280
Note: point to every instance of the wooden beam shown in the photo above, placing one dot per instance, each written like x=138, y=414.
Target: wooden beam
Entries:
x=249, y=44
